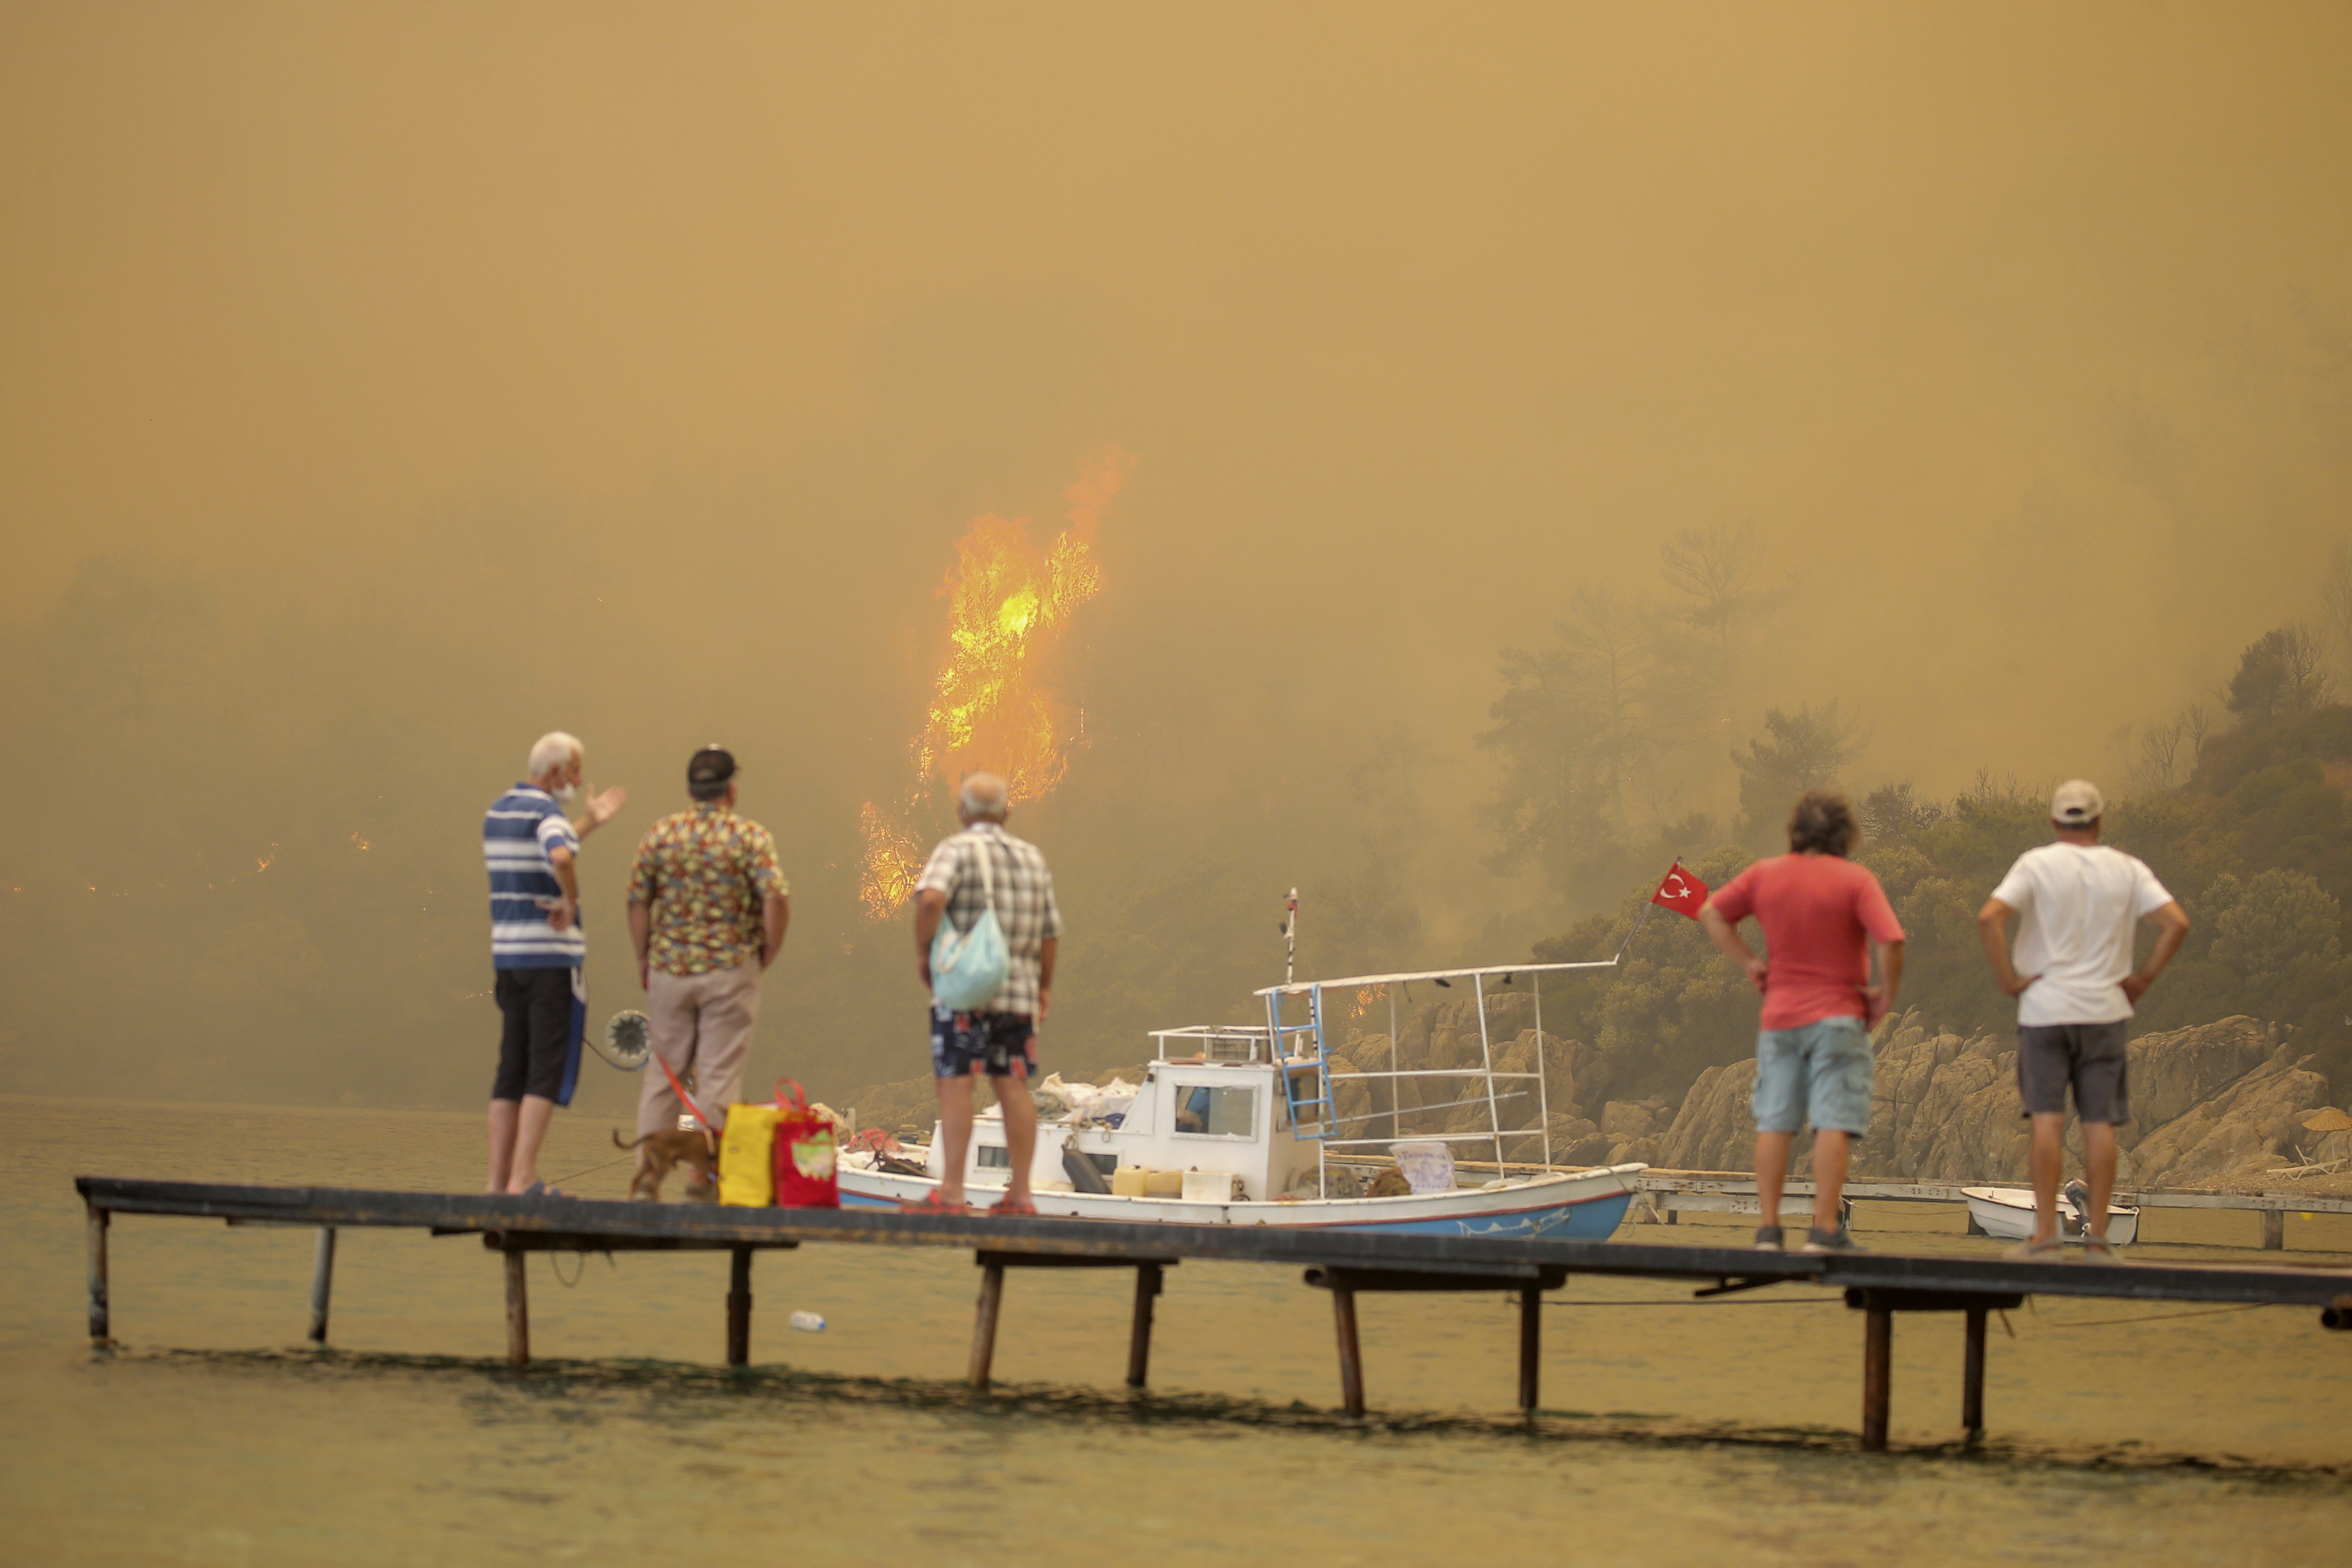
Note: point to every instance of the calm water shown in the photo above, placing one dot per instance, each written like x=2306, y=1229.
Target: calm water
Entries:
x=1699, y=1435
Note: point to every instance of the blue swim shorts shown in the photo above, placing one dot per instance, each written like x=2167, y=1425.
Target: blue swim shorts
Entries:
x=1003, y=1044
x=1820, y=1073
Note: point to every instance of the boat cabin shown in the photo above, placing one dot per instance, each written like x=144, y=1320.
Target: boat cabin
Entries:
x=1211, y=1102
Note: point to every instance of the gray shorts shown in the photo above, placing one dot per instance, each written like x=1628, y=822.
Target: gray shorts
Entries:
x=2088, y=1055
x=1819, y=1073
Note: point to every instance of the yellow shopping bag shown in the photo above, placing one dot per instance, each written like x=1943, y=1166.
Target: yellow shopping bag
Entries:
x=747, y=1147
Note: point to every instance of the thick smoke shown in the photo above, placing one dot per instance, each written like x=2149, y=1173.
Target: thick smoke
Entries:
x=383, y=388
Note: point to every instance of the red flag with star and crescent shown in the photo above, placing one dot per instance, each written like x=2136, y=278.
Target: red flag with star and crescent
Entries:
x=1680, y=891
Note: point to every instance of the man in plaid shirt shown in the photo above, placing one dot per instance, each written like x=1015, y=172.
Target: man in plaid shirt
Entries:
x=1000, y=1039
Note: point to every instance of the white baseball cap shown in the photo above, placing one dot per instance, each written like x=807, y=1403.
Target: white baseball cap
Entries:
x=2076, y=803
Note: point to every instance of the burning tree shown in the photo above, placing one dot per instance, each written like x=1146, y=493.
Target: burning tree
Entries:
x=992, y=707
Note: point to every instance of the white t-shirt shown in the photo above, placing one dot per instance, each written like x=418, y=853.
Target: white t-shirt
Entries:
x=2077, y=905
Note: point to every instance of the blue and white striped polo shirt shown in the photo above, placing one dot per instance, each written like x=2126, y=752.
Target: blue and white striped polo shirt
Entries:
x=522, y=826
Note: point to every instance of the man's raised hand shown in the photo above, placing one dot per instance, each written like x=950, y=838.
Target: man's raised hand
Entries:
x=603, y=808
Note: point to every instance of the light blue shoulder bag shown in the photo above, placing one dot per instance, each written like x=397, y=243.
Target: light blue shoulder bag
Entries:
x=968, y=968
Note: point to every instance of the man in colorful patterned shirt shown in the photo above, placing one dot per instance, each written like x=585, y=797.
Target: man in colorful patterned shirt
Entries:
x=538, y=950
x=707, y=907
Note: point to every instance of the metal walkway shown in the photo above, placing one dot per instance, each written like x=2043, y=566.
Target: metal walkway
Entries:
x=1343, y=1262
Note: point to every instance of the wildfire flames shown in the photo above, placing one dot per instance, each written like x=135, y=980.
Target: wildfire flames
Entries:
x=992, y=709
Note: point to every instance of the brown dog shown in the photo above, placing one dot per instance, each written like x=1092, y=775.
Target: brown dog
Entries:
x=657, y=1152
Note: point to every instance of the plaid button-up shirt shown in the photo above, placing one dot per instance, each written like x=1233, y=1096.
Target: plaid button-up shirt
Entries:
x=1026, y=910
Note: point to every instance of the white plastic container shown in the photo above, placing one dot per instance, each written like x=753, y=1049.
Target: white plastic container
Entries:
x=1210, y=1186
x=808, y=1322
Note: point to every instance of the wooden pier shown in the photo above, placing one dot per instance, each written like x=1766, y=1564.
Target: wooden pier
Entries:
x=1669, y=1193
x=1346, y=1263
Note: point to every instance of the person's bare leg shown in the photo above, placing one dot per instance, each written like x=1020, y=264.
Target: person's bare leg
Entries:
x=1831, y=1149
x=2049, y=1164
x=2099, y=1160
x=1771, y=1174
x=1019, y=1134
x=502, y=1143
x=530, y=1131
x=955, y=1135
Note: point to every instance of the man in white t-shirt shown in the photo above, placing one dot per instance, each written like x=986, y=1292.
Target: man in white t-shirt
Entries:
x=2078, y=903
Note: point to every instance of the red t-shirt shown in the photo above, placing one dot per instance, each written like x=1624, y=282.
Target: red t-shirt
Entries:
x=1819, y=914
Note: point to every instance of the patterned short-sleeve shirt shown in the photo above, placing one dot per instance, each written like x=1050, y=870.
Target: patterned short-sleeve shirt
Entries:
x=1026, y=910
x=704, y=873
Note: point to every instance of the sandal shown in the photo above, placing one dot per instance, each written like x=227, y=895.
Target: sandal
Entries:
x=933, y=1204
x=1010, y=1209
x=2099, y=1249
x=2050, y=1251
x=542, y=1190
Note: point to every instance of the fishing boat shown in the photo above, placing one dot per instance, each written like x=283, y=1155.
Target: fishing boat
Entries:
x=2007, y=1213
x=1240, y=1124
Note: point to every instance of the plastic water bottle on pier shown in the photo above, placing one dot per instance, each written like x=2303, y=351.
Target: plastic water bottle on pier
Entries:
x=808, y=1322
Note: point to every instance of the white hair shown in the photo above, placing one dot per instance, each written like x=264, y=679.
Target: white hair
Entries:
x=983, y=795
x=552, y=750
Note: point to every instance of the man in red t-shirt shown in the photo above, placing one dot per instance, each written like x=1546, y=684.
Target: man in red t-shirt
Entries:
x=1822, y=916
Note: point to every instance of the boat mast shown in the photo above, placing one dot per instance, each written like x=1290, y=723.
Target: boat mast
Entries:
x=1290, y=940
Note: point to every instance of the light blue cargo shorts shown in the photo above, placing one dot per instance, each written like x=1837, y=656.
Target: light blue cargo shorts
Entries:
x=1819, y=1073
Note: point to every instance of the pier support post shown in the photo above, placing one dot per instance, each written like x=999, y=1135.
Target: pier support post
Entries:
x=99, y=1311
x=1972, y=1376
x=1877, y=1366
x=984, y=1328
x=1351, y=1355
x=738, y=1308
x=322, y=1284
x=1531, y=1345
x=1528, y=1281
x=1879, y=1306
x=1138, y=1342
x=518, y=1308
x=2273, y=1230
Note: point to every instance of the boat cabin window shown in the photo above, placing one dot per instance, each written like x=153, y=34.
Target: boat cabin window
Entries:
x=1210, y=1111
x=993, y=1157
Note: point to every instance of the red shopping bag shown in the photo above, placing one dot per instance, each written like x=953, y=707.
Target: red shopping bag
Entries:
x=808, y=1174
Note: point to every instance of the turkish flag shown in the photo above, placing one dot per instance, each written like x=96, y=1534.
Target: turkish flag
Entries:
x=1680, y=891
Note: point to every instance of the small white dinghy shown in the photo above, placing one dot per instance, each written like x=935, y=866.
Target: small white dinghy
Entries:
x=2006, y=1214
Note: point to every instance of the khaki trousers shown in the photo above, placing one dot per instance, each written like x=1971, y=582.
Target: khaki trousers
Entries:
x=701, y=1024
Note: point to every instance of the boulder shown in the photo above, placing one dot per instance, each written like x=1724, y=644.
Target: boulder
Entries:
x=2174, y=1071
x=1967, y=1129
x=1628, y=1150
x=1628, y=1119
x=2239, y=1135
x=1713, y=1130
x=1574, y=1141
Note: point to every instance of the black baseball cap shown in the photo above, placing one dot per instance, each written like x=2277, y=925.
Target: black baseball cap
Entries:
x=708, y=772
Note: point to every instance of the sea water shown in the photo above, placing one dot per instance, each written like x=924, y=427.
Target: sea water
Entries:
x=1671, y=1433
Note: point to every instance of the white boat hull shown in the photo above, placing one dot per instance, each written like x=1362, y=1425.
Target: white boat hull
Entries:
x=1585, y=1204
x=2007, y=1214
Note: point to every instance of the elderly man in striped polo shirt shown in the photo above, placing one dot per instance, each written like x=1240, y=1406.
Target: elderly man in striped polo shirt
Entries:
x=538, y=950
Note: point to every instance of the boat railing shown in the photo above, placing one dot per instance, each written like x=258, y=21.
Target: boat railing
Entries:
x=1232, y=1043
x=1310, y=1084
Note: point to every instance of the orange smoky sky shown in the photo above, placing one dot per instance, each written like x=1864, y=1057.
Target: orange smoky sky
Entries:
x=381, y=386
